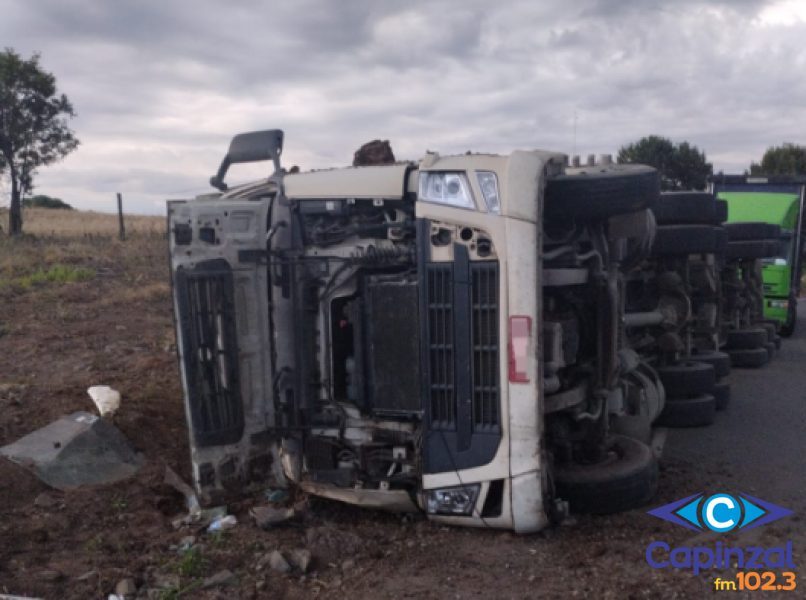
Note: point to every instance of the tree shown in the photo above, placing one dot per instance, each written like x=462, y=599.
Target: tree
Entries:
x=681, y=166
x=33, y=126
x=786, y=159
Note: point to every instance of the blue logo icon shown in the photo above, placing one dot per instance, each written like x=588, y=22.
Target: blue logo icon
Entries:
x=720, y=512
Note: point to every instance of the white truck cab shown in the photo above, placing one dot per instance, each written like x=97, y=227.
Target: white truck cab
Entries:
x=416, y=336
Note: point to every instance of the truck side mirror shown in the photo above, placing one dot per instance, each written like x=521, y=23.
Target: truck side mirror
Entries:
x=250, y=147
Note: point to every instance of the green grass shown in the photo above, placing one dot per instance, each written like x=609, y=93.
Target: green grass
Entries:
x=57, y=274
x=192, y=563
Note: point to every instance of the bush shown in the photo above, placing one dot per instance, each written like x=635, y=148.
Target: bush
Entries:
x=42, y=201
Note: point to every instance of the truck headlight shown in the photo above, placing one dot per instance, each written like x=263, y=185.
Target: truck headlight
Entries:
x=488, y=183
x=446, y=188
x=453, y=500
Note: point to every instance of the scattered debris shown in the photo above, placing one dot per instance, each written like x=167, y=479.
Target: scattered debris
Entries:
x=301, y=559
x=126, y=588
x=222, y=523
x=348, y=565
x=225, y=577
x=166, y=580
x=78, y=449
x=278, y=562
x=50, y=575
x=106, y=399
x=268, y=516
x=191, y=501
x=186, y=543
x=276, y=496
x=45, y=500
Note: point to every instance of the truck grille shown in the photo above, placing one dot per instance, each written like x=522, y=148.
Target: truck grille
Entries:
x=440, y=346
x=483, y=322
x=205, y=299
x=484, y=307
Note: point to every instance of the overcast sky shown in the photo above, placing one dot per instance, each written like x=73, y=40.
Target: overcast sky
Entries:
x=161, y=87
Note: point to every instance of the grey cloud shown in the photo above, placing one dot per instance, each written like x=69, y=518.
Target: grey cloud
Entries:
x=160, y=88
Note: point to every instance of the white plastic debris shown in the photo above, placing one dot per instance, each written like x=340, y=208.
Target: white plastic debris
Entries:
x=106, y=399
x=223, y=523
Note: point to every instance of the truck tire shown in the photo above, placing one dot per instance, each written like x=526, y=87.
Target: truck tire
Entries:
x=685, y=208
x=721, y=395
x=788, y=327
x=770, y=347
x=688, y=412
x=740, y=232
x=769, y=328
x=754, y=358
x=628, y=480
x=687, y=379
x=676, y=240
x=718, y=360
x=750, y=249
x=592, y=193
x=746, y=339
x=721, y=211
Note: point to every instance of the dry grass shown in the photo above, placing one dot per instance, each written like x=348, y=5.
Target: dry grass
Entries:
x=64, y=246
x=72, y=223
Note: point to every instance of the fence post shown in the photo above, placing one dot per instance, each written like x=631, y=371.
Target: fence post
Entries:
x=121, y=227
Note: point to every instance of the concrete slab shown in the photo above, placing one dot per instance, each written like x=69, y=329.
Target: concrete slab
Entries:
x=76, y=450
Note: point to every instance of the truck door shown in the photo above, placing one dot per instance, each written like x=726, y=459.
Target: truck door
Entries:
x=220, y=286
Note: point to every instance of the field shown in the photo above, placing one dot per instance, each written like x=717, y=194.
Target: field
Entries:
x=81, y=308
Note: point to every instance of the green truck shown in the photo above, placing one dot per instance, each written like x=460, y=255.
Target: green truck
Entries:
x=776, y=200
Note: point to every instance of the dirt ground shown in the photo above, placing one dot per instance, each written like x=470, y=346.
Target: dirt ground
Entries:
x=115, y=328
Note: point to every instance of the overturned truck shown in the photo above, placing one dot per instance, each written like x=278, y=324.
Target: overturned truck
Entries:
x=445, y=336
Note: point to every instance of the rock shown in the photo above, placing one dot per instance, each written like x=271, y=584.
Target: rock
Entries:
x=225, y=577
x=166, y=580
x=45, y=500
x=301, y=559
x=347, y=565
x=268, y=516
x=126, y=587
x=278, y=562
x=186, y=543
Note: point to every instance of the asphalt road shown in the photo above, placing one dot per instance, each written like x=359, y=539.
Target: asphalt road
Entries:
x=758, y=445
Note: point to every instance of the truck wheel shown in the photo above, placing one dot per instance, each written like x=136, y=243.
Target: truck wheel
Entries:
x=721, y=211
x=675, y=240
x=788, y=328
x=754, y=358
x=769, y=328
x=687, y=379
x=751, y=231
x=718, y=360
x=721, y=395
x=685, y=208
x=688, y=412
x=627, y=479
x=599, y=192
x=746, y=339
